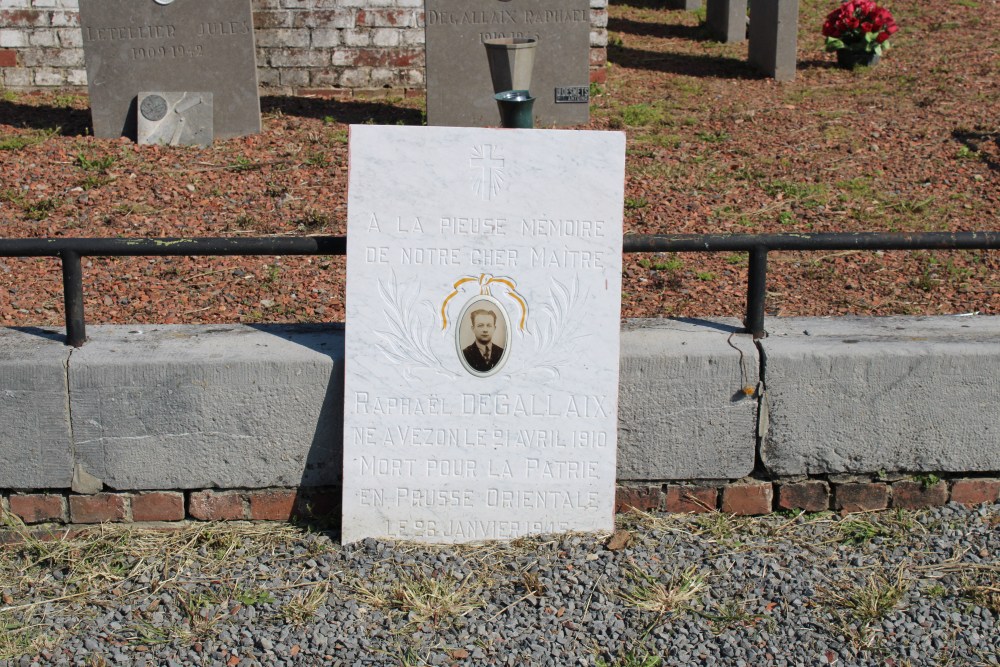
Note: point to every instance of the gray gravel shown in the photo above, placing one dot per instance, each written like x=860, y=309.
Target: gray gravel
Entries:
x=878, y=589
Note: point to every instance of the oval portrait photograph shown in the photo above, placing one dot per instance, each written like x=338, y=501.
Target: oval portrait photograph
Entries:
x=483, y=336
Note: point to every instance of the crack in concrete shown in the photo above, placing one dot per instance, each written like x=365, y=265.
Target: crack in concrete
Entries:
x=763, y=414
x=105, y=438
x=69, y=406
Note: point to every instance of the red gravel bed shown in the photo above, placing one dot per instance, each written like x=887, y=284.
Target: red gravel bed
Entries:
x=912, y=144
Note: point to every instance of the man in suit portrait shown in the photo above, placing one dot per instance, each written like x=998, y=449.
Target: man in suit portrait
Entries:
x=483, y=354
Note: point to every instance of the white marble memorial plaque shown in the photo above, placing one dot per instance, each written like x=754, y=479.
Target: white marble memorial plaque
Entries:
x=175, y=119
x=483, y=309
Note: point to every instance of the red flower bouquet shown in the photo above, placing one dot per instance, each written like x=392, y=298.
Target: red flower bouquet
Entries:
x=859, y=25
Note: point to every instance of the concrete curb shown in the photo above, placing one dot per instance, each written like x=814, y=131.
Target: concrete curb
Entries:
x=244, y=407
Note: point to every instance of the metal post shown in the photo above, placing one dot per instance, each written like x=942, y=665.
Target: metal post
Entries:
x=76, y=328
x=756, y=291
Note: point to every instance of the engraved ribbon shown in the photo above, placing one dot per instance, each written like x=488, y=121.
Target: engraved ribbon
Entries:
x=485, y=280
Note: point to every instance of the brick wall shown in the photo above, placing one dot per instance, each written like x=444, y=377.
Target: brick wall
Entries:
x=746, y=497
x=303, y=46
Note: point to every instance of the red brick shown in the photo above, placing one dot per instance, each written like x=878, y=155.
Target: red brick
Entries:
x=698, y=499
x=217, y=505
x=275, y=505
x=376, y=93
x=41, y=533
x=326, y=93
x=319, y=504
x=158, y=506
x=811, y=496
x=747, y=498
x=97, y=508
x=599, y=75
x=975, y=491
x=389, y=58
x=860, y=497
x=383, y=17
x=642, y=498
x=39, y=507
x=913, y=495
x=266, y=20
x=24, y=18
x=598, y=57
x=8, y=58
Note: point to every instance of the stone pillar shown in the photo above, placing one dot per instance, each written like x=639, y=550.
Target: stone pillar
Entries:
x=727, y=20
x=773, y=35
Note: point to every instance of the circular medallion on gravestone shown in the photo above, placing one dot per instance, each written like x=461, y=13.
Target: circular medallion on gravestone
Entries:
x=153, y=107
x=163, y=2
x=483, y=326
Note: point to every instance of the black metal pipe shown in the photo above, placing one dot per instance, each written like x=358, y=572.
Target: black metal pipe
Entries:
x=337, y=245
x=72, y=270
x=268, y=245
x=756, y=291
x=837, y=241
x=70, y=250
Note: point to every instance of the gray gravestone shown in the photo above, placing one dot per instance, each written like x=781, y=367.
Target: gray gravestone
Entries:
x=773, y=34
x=184, y=45
x=459, y=88
x=175, y=119
x=727, y=20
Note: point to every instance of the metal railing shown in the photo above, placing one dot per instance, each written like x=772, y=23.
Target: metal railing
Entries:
x=70, y=251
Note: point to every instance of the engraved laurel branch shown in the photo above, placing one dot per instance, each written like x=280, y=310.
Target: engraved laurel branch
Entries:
x=408, y=340
x=556, y=331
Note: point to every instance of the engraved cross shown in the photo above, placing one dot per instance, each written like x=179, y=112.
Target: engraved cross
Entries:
x=490, y=164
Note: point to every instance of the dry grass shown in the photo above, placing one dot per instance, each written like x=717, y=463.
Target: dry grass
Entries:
x=196, y=562
x=304, y=604
x=210, y=572
x=665, y=595
x=859, y=608
x=420, y=597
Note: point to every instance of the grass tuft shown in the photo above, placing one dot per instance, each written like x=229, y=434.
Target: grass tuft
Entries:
x=98, y=164
x=19, y=141
x=301, y=609
x=860, y=608
x=670, y=596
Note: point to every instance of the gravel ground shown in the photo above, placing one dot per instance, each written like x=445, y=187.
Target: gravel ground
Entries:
x=873, y=589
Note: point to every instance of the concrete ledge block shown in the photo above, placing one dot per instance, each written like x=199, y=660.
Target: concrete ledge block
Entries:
x=683, y=412
x=35, y=445
x=180, y=407
x=859, y=395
